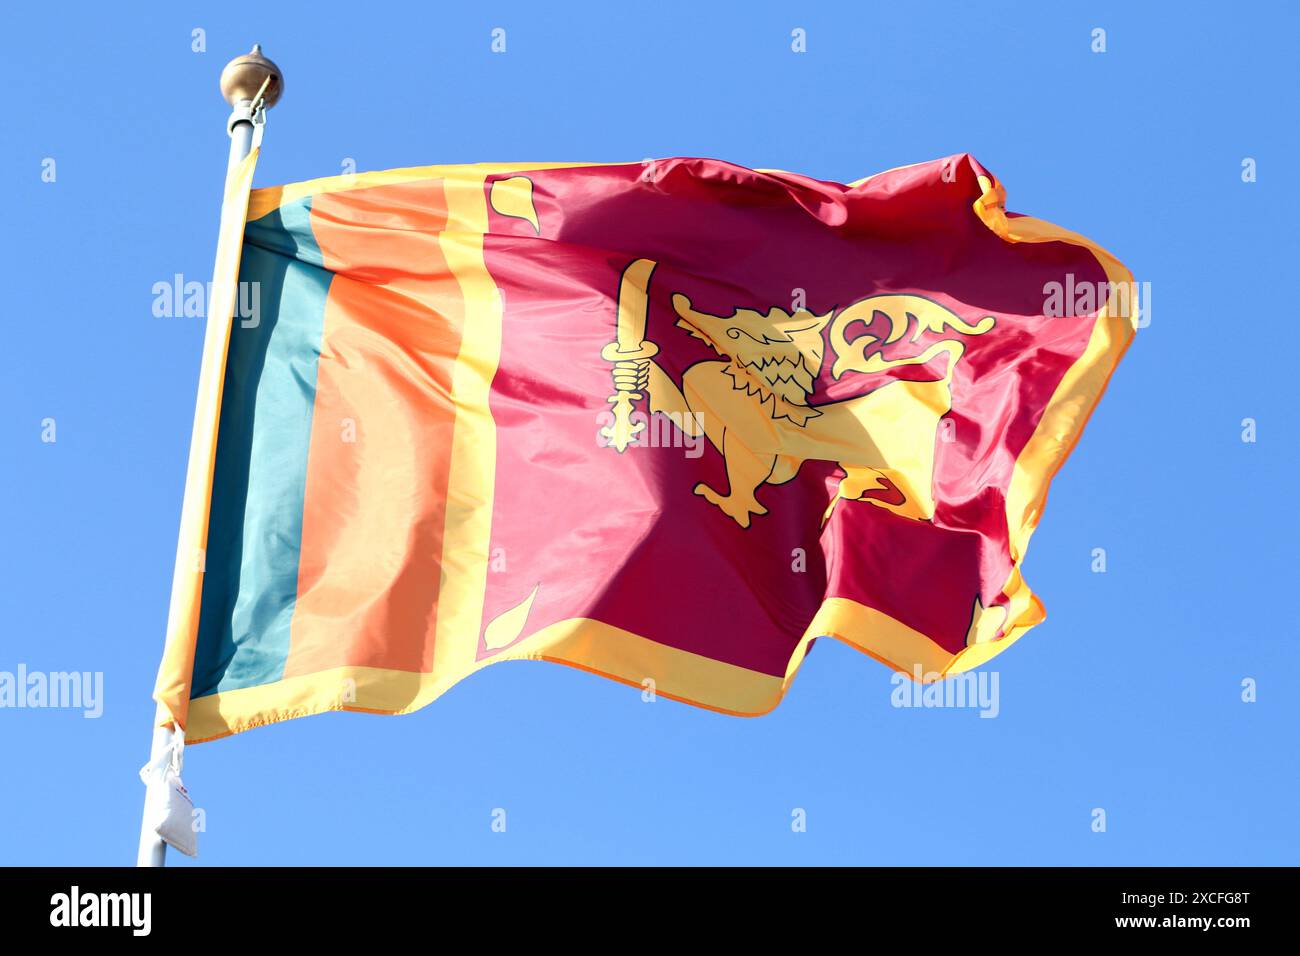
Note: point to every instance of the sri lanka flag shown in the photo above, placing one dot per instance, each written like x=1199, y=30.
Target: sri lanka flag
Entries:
x=666, y=422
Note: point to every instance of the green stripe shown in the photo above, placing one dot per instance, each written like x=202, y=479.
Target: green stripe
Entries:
x=255, y=529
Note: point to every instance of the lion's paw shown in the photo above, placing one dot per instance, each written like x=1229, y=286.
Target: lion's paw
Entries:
x=737, y=508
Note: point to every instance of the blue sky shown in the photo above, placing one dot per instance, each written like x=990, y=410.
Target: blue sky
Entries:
x=1128, y=699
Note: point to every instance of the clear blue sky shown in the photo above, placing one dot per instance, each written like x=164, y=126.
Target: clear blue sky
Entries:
x=1128, y=698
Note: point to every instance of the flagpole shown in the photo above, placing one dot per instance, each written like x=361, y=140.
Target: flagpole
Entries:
x=250, y=84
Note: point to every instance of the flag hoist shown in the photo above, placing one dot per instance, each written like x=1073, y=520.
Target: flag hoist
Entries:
x=251, y=84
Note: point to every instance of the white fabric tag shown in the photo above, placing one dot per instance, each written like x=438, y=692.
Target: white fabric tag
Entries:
x=168, y=809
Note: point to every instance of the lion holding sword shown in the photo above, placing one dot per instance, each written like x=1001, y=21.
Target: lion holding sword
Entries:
x=752, y=403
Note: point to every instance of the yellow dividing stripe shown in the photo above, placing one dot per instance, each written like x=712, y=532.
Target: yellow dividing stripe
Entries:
x=472, y=474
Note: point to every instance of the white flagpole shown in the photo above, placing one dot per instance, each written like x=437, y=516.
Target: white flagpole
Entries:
x=153, y=851
x=250, y=83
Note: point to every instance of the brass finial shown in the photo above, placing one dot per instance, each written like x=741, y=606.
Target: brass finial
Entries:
x=244, y=76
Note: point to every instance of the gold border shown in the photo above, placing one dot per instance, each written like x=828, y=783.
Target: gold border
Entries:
x=580, y=642
x=587, y=645
x=1063, y=420
x=271, y=198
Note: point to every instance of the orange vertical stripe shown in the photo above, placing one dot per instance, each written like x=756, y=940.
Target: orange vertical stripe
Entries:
x=377, y=470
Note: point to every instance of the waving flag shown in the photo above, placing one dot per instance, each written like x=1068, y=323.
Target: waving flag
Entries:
x=667, y=422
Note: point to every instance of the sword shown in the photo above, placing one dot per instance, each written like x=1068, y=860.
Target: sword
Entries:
x=630, y=353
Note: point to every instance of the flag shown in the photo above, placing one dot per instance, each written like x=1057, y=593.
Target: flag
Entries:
x=667, y=422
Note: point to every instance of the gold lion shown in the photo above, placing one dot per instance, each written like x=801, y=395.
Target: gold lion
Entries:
x=753, y=403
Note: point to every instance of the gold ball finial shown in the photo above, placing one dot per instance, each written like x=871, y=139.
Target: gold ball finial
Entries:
x=243, y=77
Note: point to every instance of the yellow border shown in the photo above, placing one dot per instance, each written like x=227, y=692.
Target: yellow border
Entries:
x=581, y=643
x=585, y=643
x=271, y=198
x=1067, y=412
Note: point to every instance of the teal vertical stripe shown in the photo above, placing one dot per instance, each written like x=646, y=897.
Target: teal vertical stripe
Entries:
x=255, y=528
